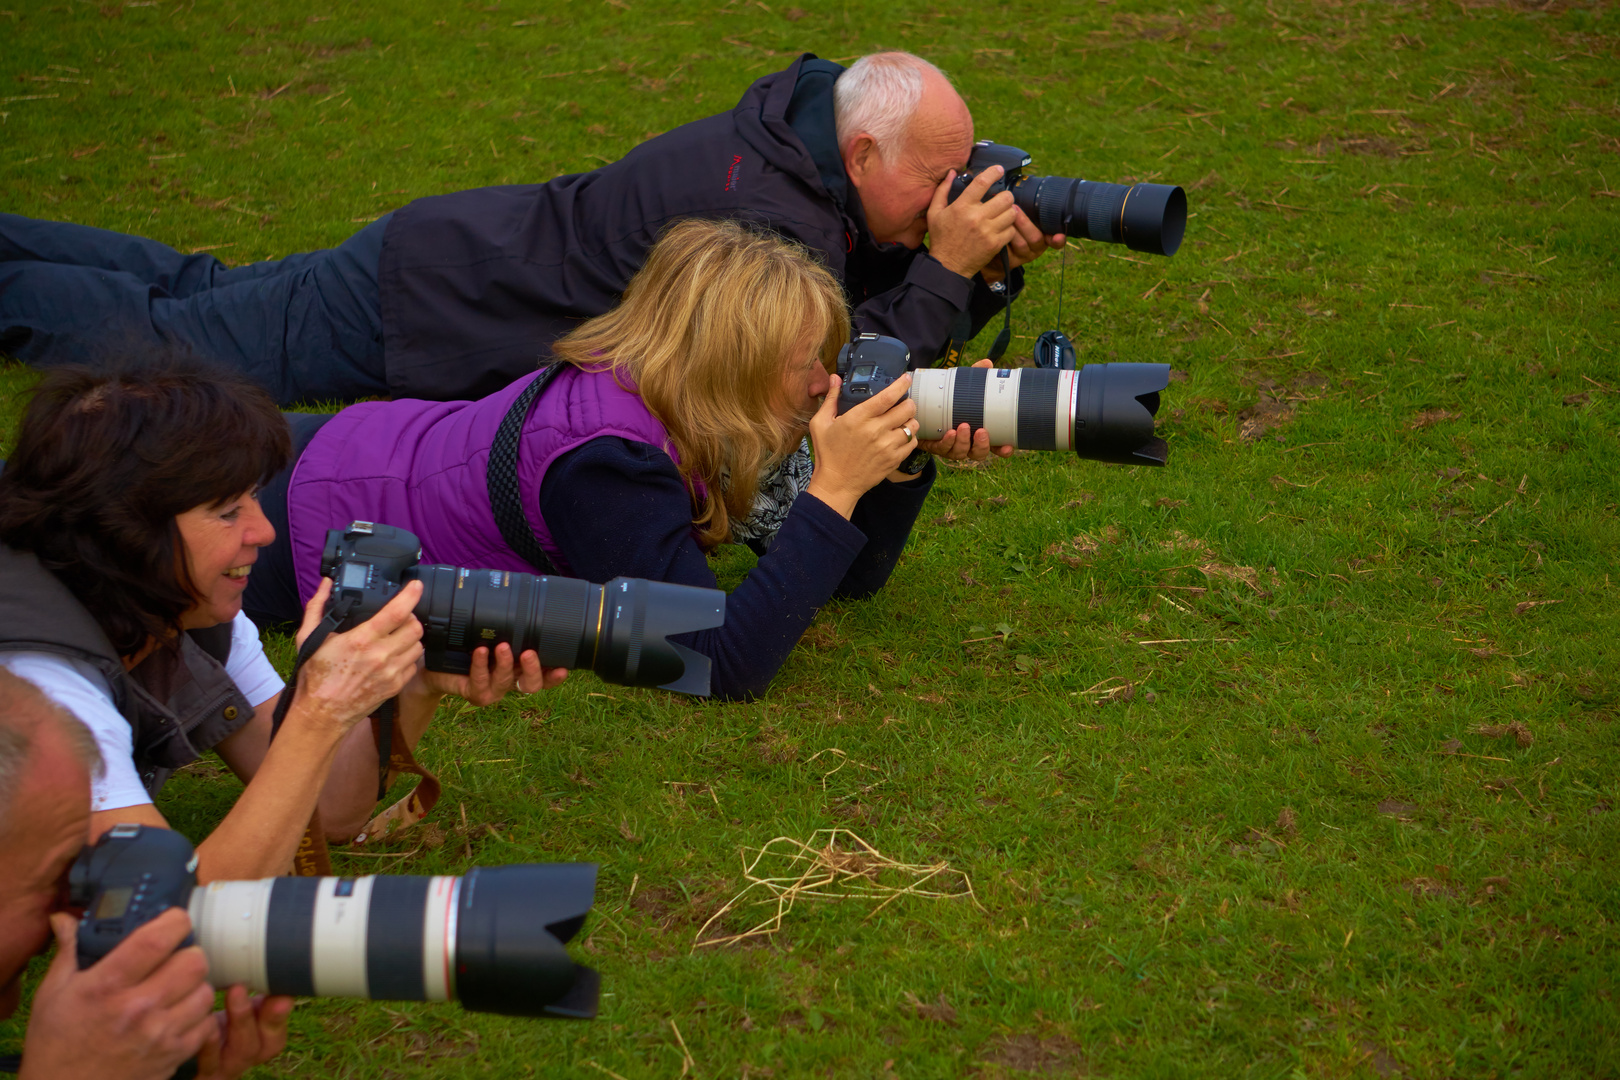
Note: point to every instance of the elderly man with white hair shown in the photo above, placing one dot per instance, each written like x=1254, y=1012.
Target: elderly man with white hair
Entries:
x=454, y=296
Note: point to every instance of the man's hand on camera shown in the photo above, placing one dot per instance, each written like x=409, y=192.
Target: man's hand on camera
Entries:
x=1027, y=245
x=963, y=443
x=966, y=234
x=250, y=1031
x=136, y=1015
x=493, y=676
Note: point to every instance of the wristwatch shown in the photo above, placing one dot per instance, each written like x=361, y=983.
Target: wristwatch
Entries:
x=916, y=463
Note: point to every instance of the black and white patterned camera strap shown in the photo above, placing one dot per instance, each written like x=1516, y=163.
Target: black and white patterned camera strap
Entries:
x=777, y=488
x=501, y=476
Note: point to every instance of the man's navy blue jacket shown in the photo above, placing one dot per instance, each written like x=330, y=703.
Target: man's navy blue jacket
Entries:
x=477, y=284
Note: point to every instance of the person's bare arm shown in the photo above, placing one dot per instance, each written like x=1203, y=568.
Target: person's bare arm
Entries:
x=346, y=678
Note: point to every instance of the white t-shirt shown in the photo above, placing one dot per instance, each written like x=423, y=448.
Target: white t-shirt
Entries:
x=79, y=688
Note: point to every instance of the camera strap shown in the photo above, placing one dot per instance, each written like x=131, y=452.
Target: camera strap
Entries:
x=1003, y=339
x=962, y=326
x=313, y=859
x=501, y=476
x=329, y=622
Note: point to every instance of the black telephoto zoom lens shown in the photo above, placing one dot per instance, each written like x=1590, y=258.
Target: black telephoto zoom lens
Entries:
x=1144, y=217
x=619, y=630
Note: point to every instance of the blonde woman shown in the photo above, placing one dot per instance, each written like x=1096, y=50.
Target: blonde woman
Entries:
x=639, y=454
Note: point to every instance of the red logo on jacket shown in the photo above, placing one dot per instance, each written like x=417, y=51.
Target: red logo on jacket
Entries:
x=731, y=173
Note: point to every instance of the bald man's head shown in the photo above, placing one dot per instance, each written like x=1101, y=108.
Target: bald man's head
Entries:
x=46, y=758
x=23, y=707
x=902, y=127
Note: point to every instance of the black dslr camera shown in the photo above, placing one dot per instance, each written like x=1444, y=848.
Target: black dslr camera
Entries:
x=1143, y=217
x=867, y=365
x=619, y=630
x=1102, y=411
x=493, y=939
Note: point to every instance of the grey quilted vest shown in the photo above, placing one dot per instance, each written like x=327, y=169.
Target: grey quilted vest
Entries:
x=178, y=702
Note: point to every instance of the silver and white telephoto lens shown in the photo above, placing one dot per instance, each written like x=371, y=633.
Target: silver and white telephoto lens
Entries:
x=1101, y=411
x=492, y=939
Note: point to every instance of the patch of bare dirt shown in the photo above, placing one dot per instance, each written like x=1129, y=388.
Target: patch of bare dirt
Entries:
x=1430, y=417
x=1520, y=733
x=655, y=901
x=822, y=636
x=939, y=1011
x=1265, y=415
x=1077, y=551
x=1379, y=1059
x=1211, y=566
x=775, y=747
x=1287, y=821
x=1427, y=888
x=1050, y=1055
x=1277, y=405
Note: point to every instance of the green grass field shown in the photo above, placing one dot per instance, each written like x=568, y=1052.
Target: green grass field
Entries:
x=1295, y=759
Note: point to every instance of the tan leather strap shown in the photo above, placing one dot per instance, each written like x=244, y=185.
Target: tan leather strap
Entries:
x=314, y=859
x=415, y=805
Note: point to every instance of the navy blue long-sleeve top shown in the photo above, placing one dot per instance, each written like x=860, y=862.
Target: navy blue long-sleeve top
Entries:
x=616, y=507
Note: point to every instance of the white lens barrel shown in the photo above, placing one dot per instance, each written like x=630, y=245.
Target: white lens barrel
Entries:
x=391, y=937
x=338, y=944
x=228, y=919
x=1025, y=408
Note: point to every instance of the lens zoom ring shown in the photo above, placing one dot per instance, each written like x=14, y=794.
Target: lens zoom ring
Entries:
x=967, y=403
x=289, y=933
x=1050, y=202
x=394, y=937
x=562, y=621
x=1037, y=409
x=1105, y=200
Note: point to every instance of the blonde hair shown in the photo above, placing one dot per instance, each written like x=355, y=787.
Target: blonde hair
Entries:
x=704, y=333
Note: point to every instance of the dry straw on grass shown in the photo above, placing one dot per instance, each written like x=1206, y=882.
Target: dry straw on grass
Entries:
x=834, y=864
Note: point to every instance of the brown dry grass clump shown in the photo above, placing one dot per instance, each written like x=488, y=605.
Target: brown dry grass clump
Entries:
x=834, y=864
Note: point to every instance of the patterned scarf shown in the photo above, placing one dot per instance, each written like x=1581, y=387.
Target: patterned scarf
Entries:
x=777, y=490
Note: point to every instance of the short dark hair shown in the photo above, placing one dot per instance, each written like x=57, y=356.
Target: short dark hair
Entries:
x=105, y=460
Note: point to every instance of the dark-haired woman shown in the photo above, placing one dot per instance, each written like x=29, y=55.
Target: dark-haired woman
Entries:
x=129, y=526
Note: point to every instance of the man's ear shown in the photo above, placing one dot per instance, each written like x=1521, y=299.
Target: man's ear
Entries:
x=860, y=158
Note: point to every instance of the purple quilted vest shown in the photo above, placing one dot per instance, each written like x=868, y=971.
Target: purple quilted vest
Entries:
x=420, y=465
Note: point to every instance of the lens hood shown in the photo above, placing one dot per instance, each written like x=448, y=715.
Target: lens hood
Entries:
x=1113, y=413
x=511, y=925
x=642, y=615
x=1154, y=218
